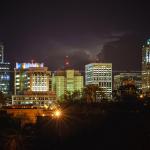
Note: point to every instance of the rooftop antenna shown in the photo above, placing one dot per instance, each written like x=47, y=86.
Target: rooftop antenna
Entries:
x=66, y=61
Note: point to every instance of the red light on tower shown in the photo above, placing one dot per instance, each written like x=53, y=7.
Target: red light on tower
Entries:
x=32, y=61
x=67, y=63
x=66, y=60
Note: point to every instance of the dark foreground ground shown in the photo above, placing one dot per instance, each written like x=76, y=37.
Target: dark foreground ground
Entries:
x=81, y=127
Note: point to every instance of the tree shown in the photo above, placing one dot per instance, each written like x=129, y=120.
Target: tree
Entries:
x=17, y=136
x=2, y=98
x=93, y=93
x=76, y=95
x=68, y=96
x=128, y=90
x=115, y=95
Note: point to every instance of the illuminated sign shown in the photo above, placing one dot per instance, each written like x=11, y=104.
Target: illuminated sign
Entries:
x=28, y=65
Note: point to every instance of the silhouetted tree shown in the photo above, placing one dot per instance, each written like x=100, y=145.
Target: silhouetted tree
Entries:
x=68, y=96
x=115, y=95
x=128, y=90
x=72, y=96
x=2, y=98
x=93, y=93
x=76, y=95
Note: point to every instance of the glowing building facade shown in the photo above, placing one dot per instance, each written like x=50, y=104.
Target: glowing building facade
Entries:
x=4, y=73
x=65, y=81
x=32, y=84
x=146, y=67
x=31, y=77
x=58, y=83
x=128, y=78
x=1, y=53
x=100, y=74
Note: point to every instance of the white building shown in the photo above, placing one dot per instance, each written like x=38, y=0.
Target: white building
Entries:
x=100, y=74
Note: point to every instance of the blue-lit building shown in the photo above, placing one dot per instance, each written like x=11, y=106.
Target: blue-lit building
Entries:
x=4, y=73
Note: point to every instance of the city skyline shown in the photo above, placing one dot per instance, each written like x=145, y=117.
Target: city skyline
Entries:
x=48, y=31
x=74, y=74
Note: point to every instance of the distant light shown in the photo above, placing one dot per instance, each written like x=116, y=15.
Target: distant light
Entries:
x=141, y=96
x=45, y=106
x=57, y=114
x=67, y=63
x=43, y=115
x=148, y=42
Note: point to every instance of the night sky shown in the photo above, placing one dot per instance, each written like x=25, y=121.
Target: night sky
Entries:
x=46, y=31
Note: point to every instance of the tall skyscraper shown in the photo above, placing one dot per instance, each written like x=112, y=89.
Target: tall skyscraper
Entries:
x=146, y=67
x=4, y=73
x=68, y=80
x=100, y=74
x=32, y=84
x=1, y=53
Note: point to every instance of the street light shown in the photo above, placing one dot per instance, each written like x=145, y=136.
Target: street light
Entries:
x=57, y=113
x=141, y=96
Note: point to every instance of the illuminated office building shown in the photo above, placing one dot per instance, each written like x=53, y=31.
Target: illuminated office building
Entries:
x=4, y=73
x=128, y=78
x=58, y=83
x=1, y=53
x=31, y=77
x=146, y=67
x=34, y=98
x=68, y=80
x=32, y=81
x=99, y=74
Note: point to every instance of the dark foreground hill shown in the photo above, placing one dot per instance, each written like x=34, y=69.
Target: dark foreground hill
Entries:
x=90, y=127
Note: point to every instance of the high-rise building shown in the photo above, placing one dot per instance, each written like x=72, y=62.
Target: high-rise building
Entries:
x=4, y=73
x=100, y=74
x=58, y=84
x=31, y=77
x=32, y=84
x=1, y=53
x=68, y=80
x=146, y=67
x=128, y=78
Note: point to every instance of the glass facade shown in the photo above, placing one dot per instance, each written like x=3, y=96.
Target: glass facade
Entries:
x=146, y=67
x=5, y=77
x=1, y=53
x=4, y=73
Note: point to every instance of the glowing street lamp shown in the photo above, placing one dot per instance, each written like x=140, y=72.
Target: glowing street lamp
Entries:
x=57, y=113
x=141, y=96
